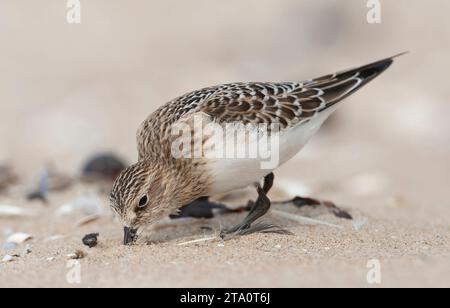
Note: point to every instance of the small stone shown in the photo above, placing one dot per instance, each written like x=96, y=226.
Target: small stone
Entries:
x=91, y=240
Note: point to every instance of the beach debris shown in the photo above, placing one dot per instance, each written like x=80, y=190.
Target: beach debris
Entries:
x=77, y=255
x=50, y=259
x=19, y=238
x=359, y=223
x=304, y=220
x=104, y=166
x=7, y=177
x=91, y=240
x=7, y=259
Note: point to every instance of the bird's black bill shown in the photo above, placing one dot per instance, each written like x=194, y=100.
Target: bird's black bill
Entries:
x=129, y=235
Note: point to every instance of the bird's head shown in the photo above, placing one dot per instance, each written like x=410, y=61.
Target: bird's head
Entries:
x=141, y=195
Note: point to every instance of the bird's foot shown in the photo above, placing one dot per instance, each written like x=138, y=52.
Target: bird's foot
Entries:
x=258, y=227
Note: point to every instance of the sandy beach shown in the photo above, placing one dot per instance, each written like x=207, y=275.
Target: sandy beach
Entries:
x=68, y=92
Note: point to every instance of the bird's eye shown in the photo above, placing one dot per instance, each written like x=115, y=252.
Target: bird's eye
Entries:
x=143, y=202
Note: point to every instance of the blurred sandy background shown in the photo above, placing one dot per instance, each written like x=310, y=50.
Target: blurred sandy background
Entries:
x=67, y=91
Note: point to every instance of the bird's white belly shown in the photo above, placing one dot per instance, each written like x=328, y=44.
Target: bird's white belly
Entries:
x=233, y=174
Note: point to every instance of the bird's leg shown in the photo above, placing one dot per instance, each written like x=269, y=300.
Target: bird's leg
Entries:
x=302, y=201
x=258, y=208
x=268, y=184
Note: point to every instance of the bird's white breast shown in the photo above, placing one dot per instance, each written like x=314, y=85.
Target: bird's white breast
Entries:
x=233, y=174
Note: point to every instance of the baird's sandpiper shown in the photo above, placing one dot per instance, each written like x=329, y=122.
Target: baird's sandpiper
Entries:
x=159, y=184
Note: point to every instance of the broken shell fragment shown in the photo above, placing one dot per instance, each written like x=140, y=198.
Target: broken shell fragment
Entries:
x=7, y=259
x=19, y=238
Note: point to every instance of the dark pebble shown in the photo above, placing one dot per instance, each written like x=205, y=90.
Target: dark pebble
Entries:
x=91, y=240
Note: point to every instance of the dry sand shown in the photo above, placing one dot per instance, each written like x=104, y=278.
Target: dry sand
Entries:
x=68, y=91
x=409, y=233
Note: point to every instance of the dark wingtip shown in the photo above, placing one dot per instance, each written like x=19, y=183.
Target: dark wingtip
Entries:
x=372, y=70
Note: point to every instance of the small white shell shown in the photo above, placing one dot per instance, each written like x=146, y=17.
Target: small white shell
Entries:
x=7, y=259
x=19, y=238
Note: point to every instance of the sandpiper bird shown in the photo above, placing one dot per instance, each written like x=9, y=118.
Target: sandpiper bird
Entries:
x=159, y=184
